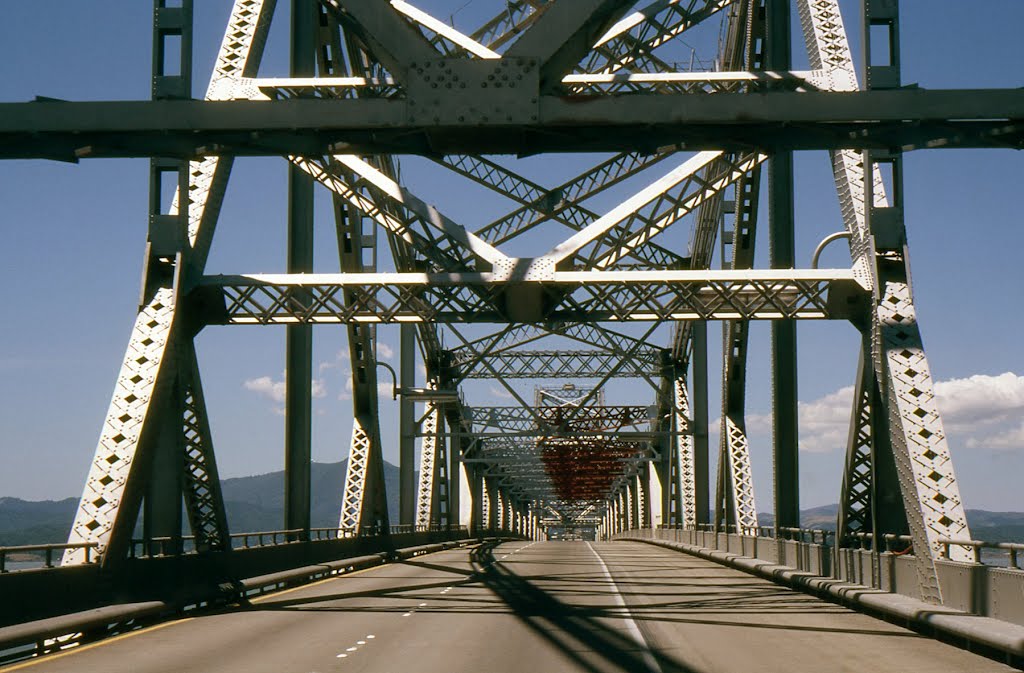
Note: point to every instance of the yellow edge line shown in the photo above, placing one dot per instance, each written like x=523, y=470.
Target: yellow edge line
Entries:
x=91, y=646
x=107, y=641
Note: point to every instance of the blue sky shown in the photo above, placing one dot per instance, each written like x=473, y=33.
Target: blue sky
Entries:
x=73, y=237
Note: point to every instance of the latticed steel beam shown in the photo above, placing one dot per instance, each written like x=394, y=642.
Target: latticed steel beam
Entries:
x=561, y=364
x=448, y=298
x=602, y=418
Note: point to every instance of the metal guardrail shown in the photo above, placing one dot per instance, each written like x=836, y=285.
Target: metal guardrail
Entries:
x=813, y=535
x=899, y=545
x=169, y=546
x=186, y=544
x=1012, y=549
x=48, y=550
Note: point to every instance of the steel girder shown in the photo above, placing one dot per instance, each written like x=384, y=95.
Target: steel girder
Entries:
x=725, y=121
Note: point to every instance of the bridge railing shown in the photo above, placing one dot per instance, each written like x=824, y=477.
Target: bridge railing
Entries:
x=983, y=587
x=976, y=547
x=186, y=544
x=806, y=549
x=47, y=556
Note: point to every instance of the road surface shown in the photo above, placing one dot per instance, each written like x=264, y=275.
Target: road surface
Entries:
x=528, y=607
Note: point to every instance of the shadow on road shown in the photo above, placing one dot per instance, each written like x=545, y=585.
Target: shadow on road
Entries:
x=572, y=629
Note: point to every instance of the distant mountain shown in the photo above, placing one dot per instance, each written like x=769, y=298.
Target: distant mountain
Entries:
x=985, y=525
x=257, y=503
x=252, y=503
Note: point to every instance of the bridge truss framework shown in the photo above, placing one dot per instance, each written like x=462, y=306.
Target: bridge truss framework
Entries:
x=373, y=80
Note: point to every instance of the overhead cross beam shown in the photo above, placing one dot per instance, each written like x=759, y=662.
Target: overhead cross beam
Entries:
x=775, y=120
x=448, y=298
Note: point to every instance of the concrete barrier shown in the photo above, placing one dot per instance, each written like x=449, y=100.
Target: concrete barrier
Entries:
x=949, y=620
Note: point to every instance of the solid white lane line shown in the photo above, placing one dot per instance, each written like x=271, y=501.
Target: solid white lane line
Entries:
x=638, y=636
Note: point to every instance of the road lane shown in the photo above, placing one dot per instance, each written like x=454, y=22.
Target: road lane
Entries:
x=713, y=619
x=531, y=607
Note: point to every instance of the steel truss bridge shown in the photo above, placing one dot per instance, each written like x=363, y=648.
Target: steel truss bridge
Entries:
x=605, y=300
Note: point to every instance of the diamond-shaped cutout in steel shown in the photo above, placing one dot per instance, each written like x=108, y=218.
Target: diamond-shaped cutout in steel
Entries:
x=945, y=521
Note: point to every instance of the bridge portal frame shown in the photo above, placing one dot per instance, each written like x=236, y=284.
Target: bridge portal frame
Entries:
x=158, y=377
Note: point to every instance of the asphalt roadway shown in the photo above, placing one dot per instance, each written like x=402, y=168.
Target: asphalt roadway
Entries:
x=527, y=607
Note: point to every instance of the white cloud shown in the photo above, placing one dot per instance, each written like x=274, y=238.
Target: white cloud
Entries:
x=980, y=399
x=275, y=390
x=975, y=410
x=384, y=351
x=338, y=362
x=266, y=387
x=1011, y=439
x=319, y=388
x=824, y=422
x=500, y=392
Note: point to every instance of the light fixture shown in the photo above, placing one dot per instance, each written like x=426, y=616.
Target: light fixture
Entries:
x=418, y=394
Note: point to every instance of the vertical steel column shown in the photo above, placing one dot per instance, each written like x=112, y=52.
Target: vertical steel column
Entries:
x=168, y=231
x=634, y=503
x=476, y=489
x=407, y=428
x=782, y=255
x=161, y=508
x=299, y=338
x=454, y=475
x=667, y=470
x=699, y=381
x=644, y=496
x=492, y=503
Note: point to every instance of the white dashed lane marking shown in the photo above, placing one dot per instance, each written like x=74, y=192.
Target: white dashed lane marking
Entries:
x=355, y=648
